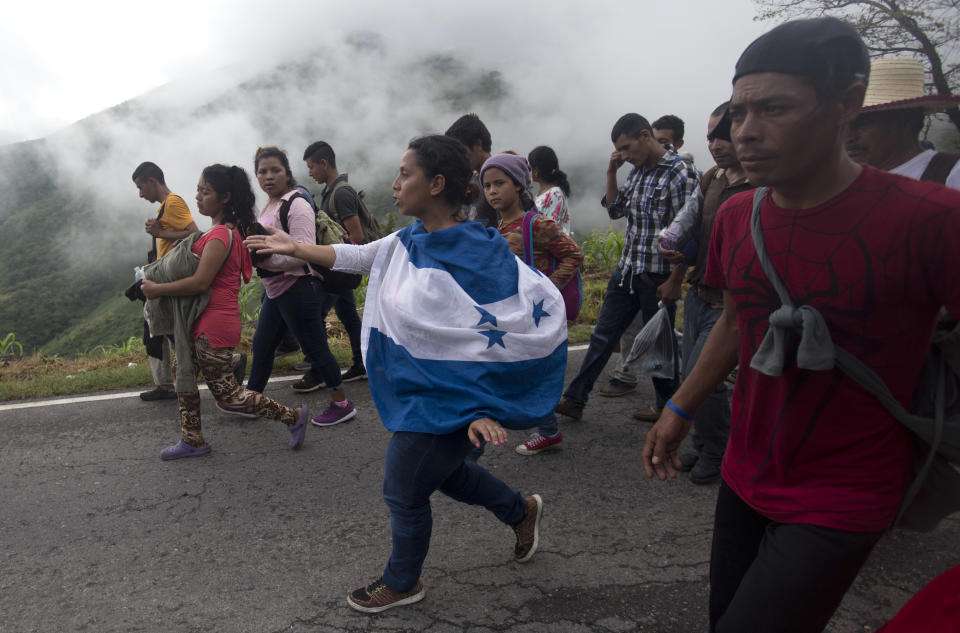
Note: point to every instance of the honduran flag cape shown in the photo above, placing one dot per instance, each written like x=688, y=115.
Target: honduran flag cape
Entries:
x=456, y=328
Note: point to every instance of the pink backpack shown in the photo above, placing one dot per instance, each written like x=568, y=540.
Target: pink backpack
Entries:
x=572, y=293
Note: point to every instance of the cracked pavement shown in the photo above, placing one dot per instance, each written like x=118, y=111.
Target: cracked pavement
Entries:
x=98, y=534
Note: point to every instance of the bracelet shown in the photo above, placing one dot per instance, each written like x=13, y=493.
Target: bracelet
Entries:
x=683, y=414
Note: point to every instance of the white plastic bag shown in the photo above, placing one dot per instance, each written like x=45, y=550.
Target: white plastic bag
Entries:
x=653, y=350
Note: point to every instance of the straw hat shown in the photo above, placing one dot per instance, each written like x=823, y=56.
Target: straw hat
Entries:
x=896, y=83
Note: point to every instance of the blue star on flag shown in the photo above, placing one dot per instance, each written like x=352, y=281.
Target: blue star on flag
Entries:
x=494, y=337
x=539, y=312
x=485, y=317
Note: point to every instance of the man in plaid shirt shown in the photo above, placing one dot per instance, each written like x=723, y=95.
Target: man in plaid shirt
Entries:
x=655, y=190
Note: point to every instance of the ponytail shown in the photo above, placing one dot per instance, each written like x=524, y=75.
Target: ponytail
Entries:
x=526, y=200
x=560, y=179
x=544, y=160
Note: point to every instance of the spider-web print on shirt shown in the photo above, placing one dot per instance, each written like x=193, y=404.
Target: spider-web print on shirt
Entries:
x=875, y=262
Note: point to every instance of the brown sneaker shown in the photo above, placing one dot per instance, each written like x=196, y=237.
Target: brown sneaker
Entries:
x=528, y=530
x=647, y=414
x=616, y=388
x=377, y=597
x=569, y=409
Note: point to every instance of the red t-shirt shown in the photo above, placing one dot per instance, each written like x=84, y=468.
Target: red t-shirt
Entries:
x=220, y=321
x=878, y=261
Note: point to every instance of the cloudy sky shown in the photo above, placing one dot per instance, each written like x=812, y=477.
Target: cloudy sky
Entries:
x=65, y=60
x=570, y=69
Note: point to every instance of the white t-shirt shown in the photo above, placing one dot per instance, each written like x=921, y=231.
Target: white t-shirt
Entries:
x=915, y=167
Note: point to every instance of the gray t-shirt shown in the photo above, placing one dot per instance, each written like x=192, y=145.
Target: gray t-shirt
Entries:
x=346, y=202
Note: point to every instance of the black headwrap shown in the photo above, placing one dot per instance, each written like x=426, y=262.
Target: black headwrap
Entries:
x=806, y=47
x=722, y=129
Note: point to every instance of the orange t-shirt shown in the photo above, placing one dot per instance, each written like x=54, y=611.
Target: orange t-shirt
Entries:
x=176, y=217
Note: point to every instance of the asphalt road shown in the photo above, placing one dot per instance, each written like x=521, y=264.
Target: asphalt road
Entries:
x=98, y=535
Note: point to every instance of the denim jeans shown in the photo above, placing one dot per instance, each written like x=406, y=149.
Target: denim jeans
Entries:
x=302, y=309
x=711, y=424
x=620, y=305
x=417, y=464
x=345, y=306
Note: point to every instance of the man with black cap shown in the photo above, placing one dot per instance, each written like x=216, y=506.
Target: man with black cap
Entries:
x=815, y=468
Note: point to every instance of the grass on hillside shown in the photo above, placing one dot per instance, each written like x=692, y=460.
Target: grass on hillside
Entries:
x=125, y=366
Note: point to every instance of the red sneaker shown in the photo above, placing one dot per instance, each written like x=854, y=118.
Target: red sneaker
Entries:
x=538, y=443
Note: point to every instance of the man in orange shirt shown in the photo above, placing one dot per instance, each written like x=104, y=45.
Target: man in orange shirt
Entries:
x=173, y=222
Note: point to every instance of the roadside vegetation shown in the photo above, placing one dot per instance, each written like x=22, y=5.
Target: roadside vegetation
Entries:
x=124, y=365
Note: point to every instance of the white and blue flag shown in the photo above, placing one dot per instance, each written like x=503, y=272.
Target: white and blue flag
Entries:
x=455, y=328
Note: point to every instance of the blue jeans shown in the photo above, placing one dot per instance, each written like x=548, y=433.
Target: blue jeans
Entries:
x=417, y=464
x=345, y=306
x=302, y=309
x=621, y=303
x=711, y=424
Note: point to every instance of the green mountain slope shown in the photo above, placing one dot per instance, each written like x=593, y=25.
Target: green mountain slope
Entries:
x=64, y=262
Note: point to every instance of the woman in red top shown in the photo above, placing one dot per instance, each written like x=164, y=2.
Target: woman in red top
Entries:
x=224, y=195
x=505, y=178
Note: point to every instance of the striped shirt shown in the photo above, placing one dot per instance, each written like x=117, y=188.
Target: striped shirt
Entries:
x=649, y=199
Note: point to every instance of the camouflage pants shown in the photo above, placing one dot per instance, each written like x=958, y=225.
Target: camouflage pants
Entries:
x=217, y=367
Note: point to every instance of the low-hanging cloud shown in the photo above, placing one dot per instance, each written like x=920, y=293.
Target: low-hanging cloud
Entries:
x=368, y=77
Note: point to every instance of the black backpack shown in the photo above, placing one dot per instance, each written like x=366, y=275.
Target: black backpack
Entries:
x=328, y=232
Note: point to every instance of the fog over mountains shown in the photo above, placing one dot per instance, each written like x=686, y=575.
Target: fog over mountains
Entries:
x=71, y=224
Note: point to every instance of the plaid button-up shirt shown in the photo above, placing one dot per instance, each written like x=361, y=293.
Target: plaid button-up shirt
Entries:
x=649, y=199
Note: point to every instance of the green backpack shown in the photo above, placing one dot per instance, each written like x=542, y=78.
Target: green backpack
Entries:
x=329, y=232
x=371, y=228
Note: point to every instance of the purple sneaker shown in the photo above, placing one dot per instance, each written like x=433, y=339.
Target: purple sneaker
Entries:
x=299, y=430
x=182, y=449
x=335, y=414
x=236, y=412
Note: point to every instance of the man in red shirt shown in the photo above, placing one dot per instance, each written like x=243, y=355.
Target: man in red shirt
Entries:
x=815, y=468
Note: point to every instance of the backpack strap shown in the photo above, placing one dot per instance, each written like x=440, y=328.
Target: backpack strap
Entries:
x=159, y=216
x=815, y=350
x=332, y=204
x=940, y=167
x=284, y=214
x=527, y=232
x=787, y=317
x=368, y=223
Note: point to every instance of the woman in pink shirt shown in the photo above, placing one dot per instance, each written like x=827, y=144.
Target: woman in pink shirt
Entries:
x=223, y=195
x=295, y=298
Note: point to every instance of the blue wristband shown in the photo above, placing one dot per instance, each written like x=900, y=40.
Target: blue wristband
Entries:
x=683, y=414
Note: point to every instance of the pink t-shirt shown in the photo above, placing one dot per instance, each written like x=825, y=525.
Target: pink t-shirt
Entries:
x=220, y=321
x=877, y=261
x=302, y=225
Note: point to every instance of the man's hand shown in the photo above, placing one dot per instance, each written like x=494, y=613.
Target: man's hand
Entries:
x=486, y=429
x=663, y=440
x=669, y=291
x=615, y=162
x=673, y=257
x=153, y=227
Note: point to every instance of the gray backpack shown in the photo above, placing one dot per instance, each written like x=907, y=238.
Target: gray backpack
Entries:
x=934, y=416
